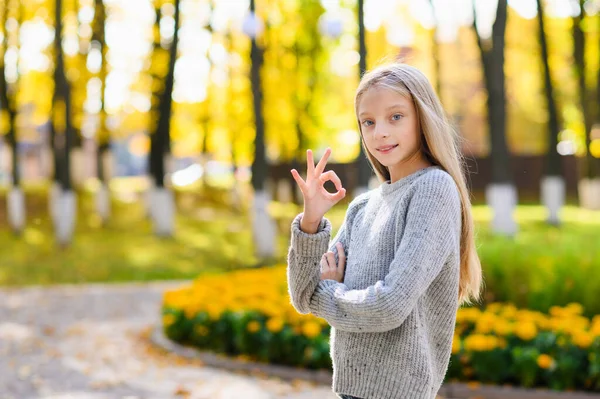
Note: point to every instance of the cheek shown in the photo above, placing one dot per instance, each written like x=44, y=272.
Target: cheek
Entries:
x=409, y=135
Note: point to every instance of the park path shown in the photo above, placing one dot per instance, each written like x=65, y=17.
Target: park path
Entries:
x=92, y=341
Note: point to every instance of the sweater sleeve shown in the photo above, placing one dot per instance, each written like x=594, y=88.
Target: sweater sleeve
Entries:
x=304, y=256
x=431, y=235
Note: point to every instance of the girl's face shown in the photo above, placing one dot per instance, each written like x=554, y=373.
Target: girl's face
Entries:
x=388, y=119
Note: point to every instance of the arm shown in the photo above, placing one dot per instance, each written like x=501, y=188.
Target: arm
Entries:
x=304, y=255
x=431, y=235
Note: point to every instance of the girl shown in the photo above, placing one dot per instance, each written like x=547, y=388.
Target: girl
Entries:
x=405, y=255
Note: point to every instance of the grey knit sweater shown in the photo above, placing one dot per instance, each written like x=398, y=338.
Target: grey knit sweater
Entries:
x=393, y=316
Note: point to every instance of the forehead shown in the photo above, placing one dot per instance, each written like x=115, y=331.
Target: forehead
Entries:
x=379, y=98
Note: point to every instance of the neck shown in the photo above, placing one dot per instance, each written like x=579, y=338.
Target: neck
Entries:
x=397, y=172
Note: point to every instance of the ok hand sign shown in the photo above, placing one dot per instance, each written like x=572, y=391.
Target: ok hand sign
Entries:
x=317, y=200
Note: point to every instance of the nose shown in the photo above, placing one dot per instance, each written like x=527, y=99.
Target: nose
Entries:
x=380, y=130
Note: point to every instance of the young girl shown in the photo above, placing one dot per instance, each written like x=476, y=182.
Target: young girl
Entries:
x=404, y=255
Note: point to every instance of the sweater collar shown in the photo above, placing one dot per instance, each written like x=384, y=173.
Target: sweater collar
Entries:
x=386, y=188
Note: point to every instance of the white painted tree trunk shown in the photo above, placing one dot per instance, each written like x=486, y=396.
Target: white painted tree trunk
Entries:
x=502, y=198
x=264, y=230
x=553, y=196
x=16, y=209
x=147, y=197
x=66, y=208
x=53, y=195
x=162, y=205
x=103, y=202
x=169, y=164
x=589, y=193
x=284, y=191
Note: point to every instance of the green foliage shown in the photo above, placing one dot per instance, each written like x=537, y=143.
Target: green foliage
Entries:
x=542, y=265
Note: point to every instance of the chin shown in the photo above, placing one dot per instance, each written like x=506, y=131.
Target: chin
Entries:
x=388, y=163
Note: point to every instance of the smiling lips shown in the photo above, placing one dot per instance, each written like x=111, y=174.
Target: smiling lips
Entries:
x=386, y=149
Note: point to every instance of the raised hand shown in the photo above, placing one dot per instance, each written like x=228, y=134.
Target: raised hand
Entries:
x=317, y=200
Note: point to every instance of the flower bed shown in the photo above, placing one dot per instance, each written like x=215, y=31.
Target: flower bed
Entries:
x=248, y=314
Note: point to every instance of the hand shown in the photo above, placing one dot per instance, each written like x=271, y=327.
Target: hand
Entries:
x=331, y=271
x=317, y=200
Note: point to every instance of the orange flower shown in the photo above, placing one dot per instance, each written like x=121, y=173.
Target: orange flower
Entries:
x=311, y=329
x=253, y=326
x=545, y=361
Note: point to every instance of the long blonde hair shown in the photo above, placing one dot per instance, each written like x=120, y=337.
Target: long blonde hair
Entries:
x=440, y=145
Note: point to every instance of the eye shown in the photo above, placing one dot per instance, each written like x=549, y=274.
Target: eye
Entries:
x=396, y=117
x=367, y=122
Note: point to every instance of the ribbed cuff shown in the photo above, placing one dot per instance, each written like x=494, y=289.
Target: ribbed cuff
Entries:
x=322, y=291
x=311, y=245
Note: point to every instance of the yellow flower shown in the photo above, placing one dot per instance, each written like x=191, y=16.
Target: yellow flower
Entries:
x=253, y=326
x=311, y=329
x=485, y=323
x=509, y=311
x=526, y=330
x=595, y=327
x=545, y=361
x=275, y=324
x=494, y=307
x=574, y=308
x=168, y=319
x=214, y=311
x=557, y=311
x=455, y=344
x=481, y=343
x=503, y=327
x=467, y=314
x=583, y=339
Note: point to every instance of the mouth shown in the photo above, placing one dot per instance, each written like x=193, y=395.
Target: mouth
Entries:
x=385, y=150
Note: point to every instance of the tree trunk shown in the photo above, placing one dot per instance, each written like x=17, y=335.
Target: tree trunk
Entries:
x=65, y=207
x=162, y=200
x=364, y=167
x=263, y=227
x=15, y=201
x=501, y=194
x=553, y=184
x=102, y=136
x=588, y=164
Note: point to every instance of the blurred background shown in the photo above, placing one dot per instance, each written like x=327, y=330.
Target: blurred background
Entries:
x=153, y=139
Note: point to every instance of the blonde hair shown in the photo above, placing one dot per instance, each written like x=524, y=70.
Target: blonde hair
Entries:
x=440, y=145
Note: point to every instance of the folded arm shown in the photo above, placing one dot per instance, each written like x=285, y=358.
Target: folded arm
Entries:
x=431, y=235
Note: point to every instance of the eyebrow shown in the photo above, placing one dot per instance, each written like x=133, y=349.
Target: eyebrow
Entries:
x=402, y=106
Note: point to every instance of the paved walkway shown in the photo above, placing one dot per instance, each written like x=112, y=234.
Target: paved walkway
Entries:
x=92, y=341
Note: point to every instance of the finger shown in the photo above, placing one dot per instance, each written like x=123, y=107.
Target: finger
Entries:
x=333, y=177
x=310, y=164
x=321, y=165
x=341, y=255
x=335, y=197
x=331, y=260
x=299, y=180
